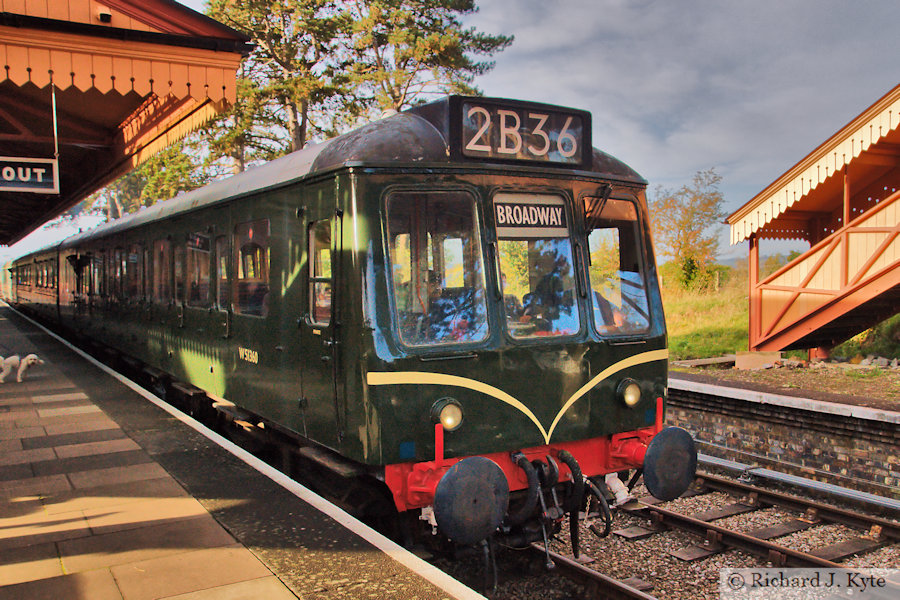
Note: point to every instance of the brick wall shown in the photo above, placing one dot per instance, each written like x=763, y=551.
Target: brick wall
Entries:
x=856, y=453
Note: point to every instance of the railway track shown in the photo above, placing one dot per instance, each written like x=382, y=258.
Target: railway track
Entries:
x=594, y=583
x=698, y=536
x=874, y=532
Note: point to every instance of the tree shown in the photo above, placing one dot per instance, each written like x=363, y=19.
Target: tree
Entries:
x=163, y=176
x=248, y=132
x=405, y=50
x=321, y=65
x=295, y=67
x=774, y=262
x=683, y=223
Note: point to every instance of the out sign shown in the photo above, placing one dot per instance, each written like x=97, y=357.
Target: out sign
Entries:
x=38, y=175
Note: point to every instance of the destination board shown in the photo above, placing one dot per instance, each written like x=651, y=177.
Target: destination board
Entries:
x=526, y=133
x=523, y=216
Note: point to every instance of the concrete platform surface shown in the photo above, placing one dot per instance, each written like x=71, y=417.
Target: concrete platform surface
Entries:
x=104, y=495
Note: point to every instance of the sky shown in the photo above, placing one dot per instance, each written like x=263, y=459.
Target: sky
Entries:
x=746, y=87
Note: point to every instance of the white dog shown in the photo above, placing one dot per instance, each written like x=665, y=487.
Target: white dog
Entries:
x=14, y=362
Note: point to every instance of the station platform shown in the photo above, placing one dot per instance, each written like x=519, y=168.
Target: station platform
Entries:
x=105, y=495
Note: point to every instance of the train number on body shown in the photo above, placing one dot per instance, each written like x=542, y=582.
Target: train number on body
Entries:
x=251, y=356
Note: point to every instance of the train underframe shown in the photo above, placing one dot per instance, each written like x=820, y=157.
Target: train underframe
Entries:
x=515, y=497
x=526, y=496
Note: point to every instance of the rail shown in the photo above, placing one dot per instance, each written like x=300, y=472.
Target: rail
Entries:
x=596, y=584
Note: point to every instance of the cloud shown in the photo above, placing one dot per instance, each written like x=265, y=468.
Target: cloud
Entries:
x=749, y=88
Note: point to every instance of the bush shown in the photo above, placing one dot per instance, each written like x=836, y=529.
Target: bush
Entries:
x=881, y=340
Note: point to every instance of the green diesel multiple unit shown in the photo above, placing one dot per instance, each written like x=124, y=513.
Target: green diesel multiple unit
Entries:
x=458, y=302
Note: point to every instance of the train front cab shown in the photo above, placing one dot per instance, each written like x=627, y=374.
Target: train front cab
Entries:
x=523, y=344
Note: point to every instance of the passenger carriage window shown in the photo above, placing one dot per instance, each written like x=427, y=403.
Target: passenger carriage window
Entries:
x=133, y=272
x=618, y=292
x=536, y=267
x=109, y=273
x=96, y=288
x=118, y=273
x=178, y=272
x=251, y=286
x=198, y=247
x=437, y=268
x=320, y=272
x=148, y=273
x=162, y=271
x=222, y=272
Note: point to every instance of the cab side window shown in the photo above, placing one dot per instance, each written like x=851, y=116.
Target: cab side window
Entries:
x=618, y=291
x=320, y=272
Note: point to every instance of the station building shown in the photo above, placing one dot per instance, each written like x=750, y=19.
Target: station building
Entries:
x=843, y=198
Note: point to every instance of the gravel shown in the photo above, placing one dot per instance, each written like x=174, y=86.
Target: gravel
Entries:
x=650, y=559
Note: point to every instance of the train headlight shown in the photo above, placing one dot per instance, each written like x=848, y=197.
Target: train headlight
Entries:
x=629, y=392
x=448, y=413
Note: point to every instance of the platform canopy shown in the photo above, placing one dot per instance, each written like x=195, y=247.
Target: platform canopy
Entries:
x=129, y=77
x=806, y=202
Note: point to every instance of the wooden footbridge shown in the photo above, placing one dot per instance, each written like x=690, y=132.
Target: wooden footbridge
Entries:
x=844, y=199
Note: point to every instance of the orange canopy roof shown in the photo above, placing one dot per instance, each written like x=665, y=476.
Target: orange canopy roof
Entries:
x=793, y=204
x=130, y=77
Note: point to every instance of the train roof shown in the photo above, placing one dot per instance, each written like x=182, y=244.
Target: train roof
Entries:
x=422, y=135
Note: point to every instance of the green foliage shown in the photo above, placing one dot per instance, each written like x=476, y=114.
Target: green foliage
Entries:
x=703, y=322
x=775, y=261
x=298, y=65
x=514, y=266
x=167, y=173
x=406, y=49
x=321, y=65
x=865, y=374
x=881, y=340
x=605, y=254
x=249, y=132
x=683, y=223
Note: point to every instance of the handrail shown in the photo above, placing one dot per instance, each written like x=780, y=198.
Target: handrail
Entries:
x=825, y=241
x=813, y=260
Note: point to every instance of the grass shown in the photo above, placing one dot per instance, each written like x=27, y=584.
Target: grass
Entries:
x=708, y=323
x=865, y=374
x=705, y=323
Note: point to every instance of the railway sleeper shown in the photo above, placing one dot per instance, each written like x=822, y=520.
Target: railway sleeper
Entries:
x=782, y=529
x=729, y=510
x=847, y=548
x=712, y=545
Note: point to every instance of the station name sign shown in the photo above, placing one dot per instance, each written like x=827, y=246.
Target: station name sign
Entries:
x=523, y=132
x=38, y=175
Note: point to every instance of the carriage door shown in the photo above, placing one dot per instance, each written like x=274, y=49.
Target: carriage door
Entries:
x=319, y=328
